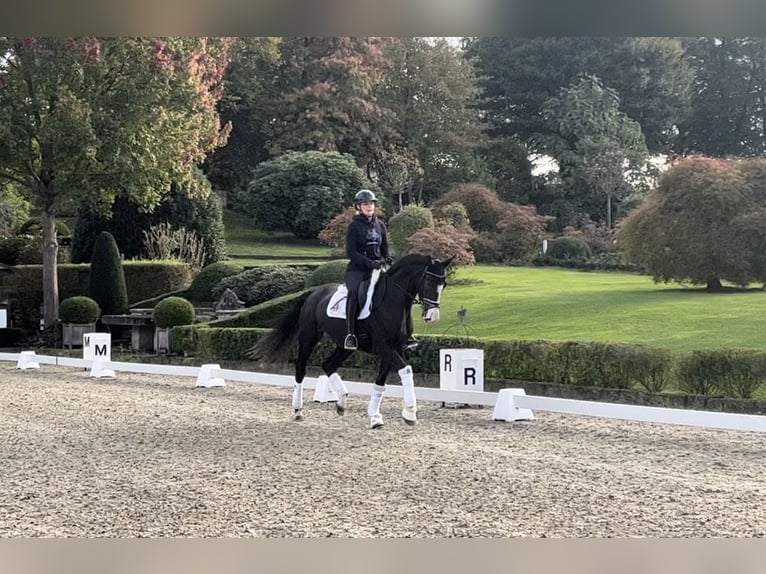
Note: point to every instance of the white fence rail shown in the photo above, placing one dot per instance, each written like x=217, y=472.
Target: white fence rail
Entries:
x=519, y=402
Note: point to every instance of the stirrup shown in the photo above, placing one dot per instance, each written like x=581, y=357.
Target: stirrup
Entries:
x=411, y=344
x=350, y=342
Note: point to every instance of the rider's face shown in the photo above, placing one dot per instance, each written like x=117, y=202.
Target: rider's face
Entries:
x=367, y=208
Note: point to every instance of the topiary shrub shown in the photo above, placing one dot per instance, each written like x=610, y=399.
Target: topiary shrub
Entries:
x=107, y=278
x=331, y=272
x=260, y=284
x=411, y=219
x=79, y=309
x=455, y=214
x=208, y=278
x=174, y=311
x=569, y=248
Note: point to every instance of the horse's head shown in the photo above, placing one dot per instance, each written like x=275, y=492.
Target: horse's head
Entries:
x=430, y=288
x=421, y=277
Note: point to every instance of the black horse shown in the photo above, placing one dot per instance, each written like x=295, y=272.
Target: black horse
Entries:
x=384, y=332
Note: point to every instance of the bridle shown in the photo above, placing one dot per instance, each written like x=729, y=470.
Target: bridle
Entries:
x=418, y=298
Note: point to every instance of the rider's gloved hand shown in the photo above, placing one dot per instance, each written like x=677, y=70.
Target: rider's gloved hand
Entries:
x=389, y=260
x=376, y=263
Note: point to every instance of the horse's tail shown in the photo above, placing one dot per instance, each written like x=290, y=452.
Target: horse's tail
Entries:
x=275, y=347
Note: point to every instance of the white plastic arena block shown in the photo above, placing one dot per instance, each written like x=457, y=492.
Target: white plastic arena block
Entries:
x=323, y=393
x=206, y=379
x=27, y=360
x=506, y=409
x=98, y=369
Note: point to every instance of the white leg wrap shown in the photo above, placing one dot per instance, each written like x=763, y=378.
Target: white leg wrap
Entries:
x=337, y=385
x=408, y=386
x=373, y=408
x=409, y=405
x=297, y=396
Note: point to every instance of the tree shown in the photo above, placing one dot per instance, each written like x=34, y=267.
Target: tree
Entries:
x=87, y=119
x=251, y=102
x=595, y=143
x=728, y=104
x=127, y=222
x=519, y=74
x=431, y=90
x=691, y=227
x=328, y=99
x=302, y=191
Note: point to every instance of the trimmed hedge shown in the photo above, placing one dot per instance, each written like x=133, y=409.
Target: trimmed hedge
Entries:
x=331, y=272
x=144, y=279
x=266, y=314
x=730, y=373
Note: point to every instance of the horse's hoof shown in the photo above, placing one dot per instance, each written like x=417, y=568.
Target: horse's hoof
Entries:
x=376, y=421
x=298, y=415
x=340, y=405
x=409, y=415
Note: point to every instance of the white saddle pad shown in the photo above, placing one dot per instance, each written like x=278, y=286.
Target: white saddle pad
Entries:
x=336, y=307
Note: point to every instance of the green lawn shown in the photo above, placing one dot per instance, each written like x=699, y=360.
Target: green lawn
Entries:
x=566, y=305
x=244, y=239
x=557, y=304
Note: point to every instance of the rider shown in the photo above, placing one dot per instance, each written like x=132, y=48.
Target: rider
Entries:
x=367, y=249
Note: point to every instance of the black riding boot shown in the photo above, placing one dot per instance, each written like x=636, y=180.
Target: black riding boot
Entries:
x=351, y=313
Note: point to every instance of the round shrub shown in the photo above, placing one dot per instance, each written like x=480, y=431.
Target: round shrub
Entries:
x=455, y=214
x=208, y=278
x=79, y=309
x=403, y=225
x=569, y=249
x=174, y=311
x=332, y=272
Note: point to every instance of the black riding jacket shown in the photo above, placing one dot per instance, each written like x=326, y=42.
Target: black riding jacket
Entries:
x=366, y=241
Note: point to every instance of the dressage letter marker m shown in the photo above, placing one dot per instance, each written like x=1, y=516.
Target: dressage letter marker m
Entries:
x=97, y=346
x=461, y=369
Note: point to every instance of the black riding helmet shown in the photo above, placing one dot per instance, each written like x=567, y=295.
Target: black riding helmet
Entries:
x=364, y=195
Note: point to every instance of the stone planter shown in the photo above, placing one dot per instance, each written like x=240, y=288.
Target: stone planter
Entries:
x=71, y=333
x=162, y=340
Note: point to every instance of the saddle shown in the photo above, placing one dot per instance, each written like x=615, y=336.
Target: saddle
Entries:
x=336, y=307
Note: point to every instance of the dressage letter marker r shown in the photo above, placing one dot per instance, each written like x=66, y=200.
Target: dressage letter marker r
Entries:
x=461, y=369
x=469, y=374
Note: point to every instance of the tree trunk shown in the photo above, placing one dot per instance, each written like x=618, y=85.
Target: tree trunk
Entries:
x=609, y=212
x=50, y=269
x=714, y=284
